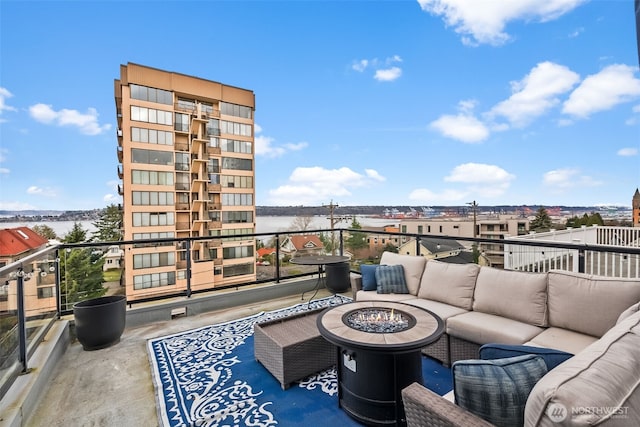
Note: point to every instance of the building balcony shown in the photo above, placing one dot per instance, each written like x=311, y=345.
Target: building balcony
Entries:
x=49, y=380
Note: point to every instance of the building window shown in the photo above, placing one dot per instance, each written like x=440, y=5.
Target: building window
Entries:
x=237, y=199
x=181, y=122
x=419, y=229
x=235, y=110
x=233, y=217
x=161, y=259
x=234, y=128
x=235, y=146
x=150, y=115
x=150, y=219
x=152, y=198
x=237, y=164
x=155, y=280
x=151, y=157
x=237, y=252
x=150, y=94
x=235, y=181
x=151, y=177
x=238, y=270
x=47, y=292
x=151, y=136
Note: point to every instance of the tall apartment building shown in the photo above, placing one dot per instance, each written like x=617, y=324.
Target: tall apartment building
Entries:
x=186, y=153
x=635, y=209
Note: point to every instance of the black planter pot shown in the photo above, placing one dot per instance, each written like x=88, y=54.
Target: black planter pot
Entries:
x=100, y=321
x=338, y=277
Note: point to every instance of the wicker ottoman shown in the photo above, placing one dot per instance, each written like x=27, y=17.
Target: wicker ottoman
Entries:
x=291, y=348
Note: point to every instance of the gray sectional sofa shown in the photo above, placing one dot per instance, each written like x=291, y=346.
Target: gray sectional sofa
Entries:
x=595, y=318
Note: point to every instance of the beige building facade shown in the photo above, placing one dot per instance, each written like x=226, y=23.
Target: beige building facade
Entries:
x=486, y=226
x=186, y=154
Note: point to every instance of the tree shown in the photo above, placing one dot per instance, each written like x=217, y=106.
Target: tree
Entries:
x=301, y=223
x=357, y=239
x=109, y=225
x=542, y=221
x=76, y=235
x=83, y=278
x=45, y=231
x=328, y=242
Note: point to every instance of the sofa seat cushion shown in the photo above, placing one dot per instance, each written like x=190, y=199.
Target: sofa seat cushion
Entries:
x=482, y=328
x=562, y=339
x=598, y=386
x=589, y=304
x=444, y=311
x=375, y=296
x=497, y=390
x=449, y=283
x=413, y=268
x=517, y=295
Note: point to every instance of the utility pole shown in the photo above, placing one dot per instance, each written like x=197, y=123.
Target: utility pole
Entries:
x=474, y=206
x=333, y=220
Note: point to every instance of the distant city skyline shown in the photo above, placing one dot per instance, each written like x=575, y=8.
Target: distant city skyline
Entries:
x=414, y=103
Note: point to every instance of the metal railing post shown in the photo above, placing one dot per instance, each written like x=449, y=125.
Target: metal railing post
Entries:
x=580, y=260
x=188, y=249
x=341, y=242
x=22, y=321
x=277, y=258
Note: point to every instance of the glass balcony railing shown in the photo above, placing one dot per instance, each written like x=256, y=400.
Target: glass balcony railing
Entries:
x=38, y=289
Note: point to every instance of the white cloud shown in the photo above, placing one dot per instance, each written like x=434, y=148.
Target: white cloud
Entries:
x=536, y=94
x=384, y=70
x=462, y=127
x=110, y=199
x=560, y=180
x=627, y=152
x=86, y=123
x=39, y=191
x=4, y=171
x=4, y=95
x=313, y=185
x=16, y=206
x=484, y=22
x=360, y=65
x=263, y=146
x=480, y=180
x=388, y=75
x=613, y=85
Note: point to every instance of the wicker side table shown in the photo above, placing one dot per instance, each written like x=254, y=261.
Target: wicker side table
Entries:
x=292, y=348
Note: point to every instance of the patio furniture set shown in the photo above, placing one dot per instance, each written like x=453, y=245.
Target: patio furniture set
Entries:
x=569, y=351
x=594, y=318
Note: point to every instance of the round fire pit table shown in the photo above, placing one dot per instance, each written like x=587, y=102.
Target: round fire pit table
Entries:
x=379, y=353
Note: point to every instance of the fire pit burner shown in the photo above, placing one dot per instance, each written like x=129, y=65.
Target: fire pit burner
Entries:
x=379, y=320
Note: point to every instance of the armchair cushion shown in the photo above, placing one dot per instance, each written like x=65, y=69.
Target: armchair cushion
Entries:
x=497, y=390
x=368, y=272
x=551, y=357
x=390, y=279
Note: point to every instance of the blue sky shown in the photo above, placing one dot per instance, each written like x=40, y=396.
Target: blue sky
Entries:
x=430, y=102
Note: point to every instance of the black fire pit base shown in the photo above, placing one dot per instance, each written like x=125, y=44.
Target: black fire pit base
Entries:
x=372, y=394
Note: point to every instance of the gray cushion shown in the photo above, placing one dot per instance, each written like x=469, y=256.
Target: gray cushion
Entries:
x=390, y=279
x=517, y=295
x=497, y=390
x=589, y=304
x=449, y=283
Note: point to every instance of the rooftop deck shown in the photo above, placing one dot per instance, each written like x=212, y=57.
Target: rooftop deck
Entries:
x=113, y=386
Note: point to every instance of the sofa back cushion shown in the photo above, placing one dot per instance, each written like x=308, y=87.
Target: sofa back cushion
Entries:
x=598, y=386
x=589, y=304
x=449, y=283
x=413, y=268
x=516, y=295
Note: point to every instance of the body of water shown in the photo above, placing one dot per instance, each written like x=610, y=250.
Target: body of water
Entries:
x=264, y=224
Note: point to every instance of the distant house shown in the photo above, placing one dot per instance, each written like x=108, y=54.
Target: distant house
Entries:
x=39, y=280
x=113, y=258
x=301, y=245
x=265, y=252
x=16, y=243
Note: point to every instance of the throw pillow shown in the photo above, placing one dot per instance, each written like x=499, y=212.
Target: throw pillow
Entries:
x=497, y=390
x=390, y=279
x=551, y=357
x=368, y=272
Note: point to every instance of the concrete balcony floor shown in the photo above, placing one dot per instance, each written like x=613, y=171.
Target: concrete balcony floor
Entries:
x=113, y=386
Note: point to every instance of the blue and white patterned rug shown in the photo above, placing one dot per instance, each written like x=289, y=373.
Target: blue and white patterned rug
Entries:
x=209, y=377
